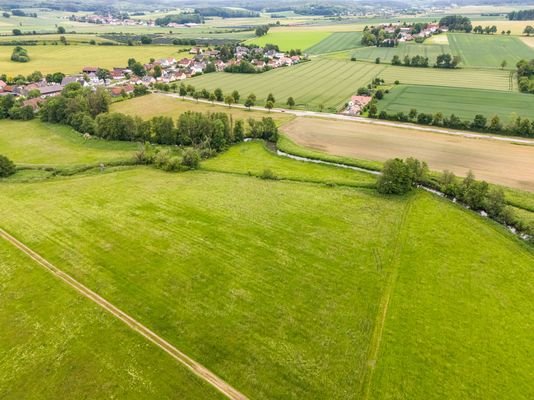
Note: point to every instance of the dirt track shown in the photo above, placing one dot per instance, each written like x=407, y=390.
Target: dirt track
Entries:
x=498, y=162
x=192, y=365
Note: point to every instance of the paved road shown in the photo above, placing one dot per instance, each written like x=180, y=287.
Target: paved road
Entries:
x=191, y=364
x=341, y=117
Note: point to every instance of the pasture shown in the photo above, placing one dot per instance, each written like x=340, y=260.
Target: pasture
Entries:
x=290, y=300
x=52, y=344
x=465, y=103
x=338, y=41
x=290, y=40
x=37, y=143
x=488, y=51
x=497, y=162
x=71, y=59
x=158, y=104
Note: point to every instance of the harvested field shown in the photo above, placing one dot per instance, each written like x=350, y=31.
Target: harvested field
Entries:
x=502, y=163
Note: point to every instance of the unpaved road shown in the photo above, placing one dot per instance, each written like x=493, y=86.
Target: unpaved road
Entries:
x=505, y=163
x=192, y=365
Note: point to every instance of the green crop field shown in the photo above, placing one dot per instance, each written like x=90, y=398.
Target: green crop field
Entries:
x=71, y=59
x=310, y=84
x=289, y=300
x=337, y=41
x=37, y=143
x=489, y=51
x=465, y=103
x=291, y=40
x=55, y=344
x=432, y=51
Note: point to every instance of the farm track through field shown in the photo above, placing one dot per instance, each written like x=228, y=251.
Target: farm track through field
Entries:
x=381, y=317
x=198, y=369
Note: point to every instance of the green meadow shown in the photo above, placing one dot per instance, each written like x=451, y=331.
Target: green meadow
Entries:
x=56, y=344
x=297, y=287
x=35, y=143
x=465, y=103
x=489, y=51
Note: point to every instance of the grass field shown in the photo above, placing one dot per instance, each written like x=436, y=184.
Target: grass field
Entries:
x=465, y=103
x=253, y=158
x=159, y=104
x=287, y=302
x=37, y=143
x=502, y=163
x=279, y=306
x=432, y=51
x=71, y=59
x=463, y=78
x=310, y=84
x=53, y=347
x=489, y=51
x=291, y=40
x=71, y=38
x=337, y=41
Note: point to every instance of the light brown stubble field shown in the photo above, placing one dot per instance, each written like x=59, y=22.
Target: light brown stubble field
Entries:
x=497, y=162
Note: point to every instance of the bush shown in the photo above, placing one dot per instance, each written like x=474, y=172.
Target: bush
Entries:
x=268, y=175
x=191, y=159
x=7, y=168
x=399, y=177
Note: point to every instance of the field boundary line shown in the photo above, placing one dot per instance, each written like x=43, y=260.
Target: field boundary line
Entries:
x=198, y=369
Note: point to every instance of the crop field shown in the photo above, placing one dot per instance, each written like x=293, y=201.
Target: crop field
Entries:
x=291, y=40
x=310, y=84
x=52, y=345
x=162, y=105
x=494, y=79
x=288, y=302
x=432, y=51
x=465, y=103
x=71, y=59
x=489, y=51
x=497, y=162
x=528, y=40
x=51, y=38
x=37, y=143
x=337, y=41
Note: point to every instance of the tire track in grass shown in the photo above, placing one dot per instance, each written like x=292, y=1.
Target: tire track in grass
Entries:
x=198, y=369
x=381, y=316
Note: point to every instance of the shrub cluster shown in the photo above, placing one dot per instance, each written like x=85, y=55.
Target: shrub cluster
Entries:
x=401, y=176
x=20, y=54
x=7, y=168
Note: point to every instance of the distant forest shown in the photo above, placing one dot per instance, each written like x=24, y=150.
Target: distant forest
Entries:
x=523, y=15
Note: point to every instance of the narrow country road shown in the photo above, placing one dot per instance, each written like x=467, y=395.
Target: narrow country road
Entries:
x=341, y=117
x=191, y=364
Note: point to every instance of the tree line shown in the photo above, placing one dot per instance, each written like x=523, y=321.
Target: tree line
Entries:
x=442, y=61
x=525, y=74
x=401, y=176
x=521, y=15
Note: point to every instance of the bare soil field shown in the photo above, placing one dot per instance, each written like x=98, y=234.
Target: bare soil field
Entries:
x=497, y=162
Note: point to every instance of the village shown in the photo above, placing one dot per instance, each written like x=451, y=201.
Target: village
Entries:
x=122, y=81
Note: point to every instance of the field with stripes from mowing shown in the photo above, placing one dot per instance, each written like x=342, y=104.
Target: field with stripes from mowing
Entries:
x=326, y=82
x=465, y=103
x=461, y=78
x=290, y=40
x=305, y=289
x=386, y=54
x=331, y=82
x=337, y=41
x=488, y=51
